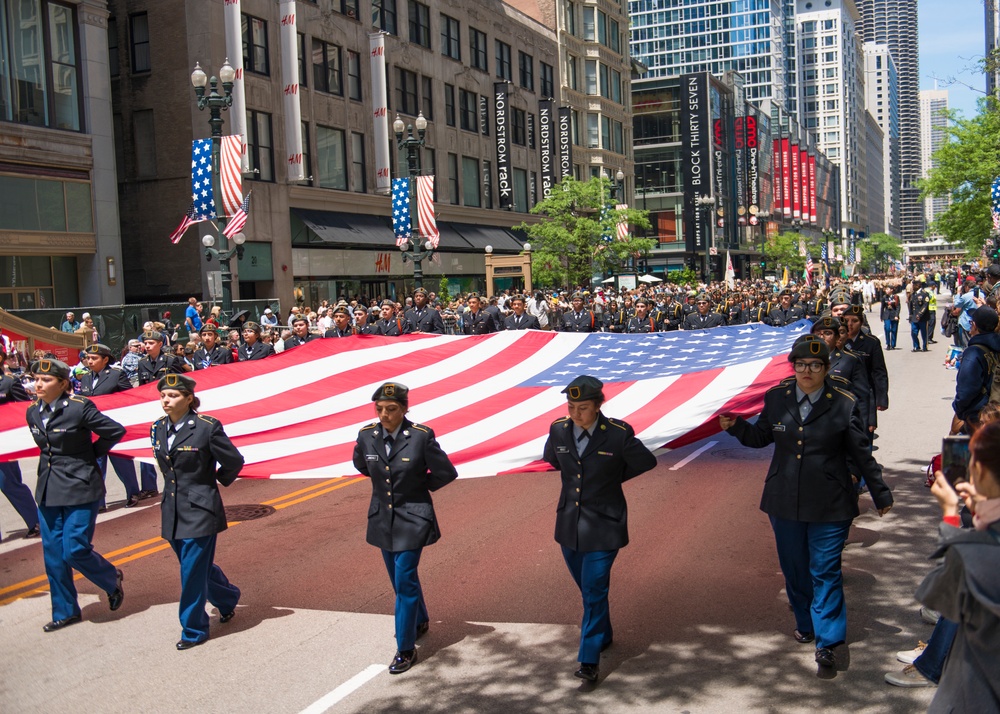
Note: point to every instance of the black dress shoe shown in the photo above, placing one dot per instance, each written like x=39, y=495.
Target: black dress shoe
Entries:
x=102, y=509
x=33, y=532
x=589, y=672
x=143, y=495
x=422, y=628
x=824, y=657
x=116, y=598
x=403, y=661
x=188, y=644
x=59, y=624
x=606, y=645
x=227, y=616
x=132, y=501
x=803, y=637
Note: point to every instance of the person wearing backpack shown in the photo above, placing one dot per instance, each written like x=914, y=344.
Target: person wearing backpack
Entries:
x=976, y=377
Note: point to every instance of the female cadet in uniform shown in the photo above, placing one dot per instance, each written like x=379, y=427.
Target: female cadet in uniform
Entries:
x=195, y=456
x=595, y=455
x=405, y=463
x=809, y=494
x=70, y=488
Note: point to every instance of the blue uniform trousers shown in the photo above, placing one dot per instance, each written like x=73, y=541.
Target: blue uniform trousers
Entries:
x=809, y=554
x=124, y=468
x=919, y=330
x=17, y=493
x=67, y=532
x=592, y=573
x=147, y=476
x=891, y=332
x=201, y=580
x=410, y=607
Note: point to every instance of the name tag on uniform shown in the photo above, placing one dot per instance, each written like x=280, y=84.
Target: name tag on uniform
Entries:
x=778, y=427
x=404, y=459
x=371, y=457
x=604, y=453
x=562, y=449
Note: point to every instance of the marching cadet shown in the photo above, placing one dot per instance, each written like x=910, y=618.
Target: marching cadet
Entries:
x=300, y=334
x=252, y=348
x=814, y=304
x=103, y=379
x=759, y=309
x=389, y=323
x=11, y=484
x=475, y=320
x=785, y=313
x=595, y=455
x=156, y=363
x=703, y=318
x=211, y=353
x=690, y=305
x=405, y=463
x=670, y=313
x=578, y=319
x=519, y=319
x=843, y=364
x=869, y=350
x=423, y=318
x=195, y=456
x=736, y=314
x=70, y=488
x=361, y=324
x=641, y=322
x=342, y=322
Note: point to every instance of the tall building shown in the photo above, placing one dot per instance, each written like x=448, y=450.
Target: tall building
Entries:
x=894, y=23
x=882, y=102
x=933, y=102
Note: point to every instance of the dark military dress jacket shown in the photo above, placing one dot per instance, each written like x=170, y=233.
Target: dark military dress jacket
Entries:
x=401, y=514
x=392, y=328
x=295, y=341
x=809, y=479
x=637, y=326
x=696, y=321
x=153, y=370
x=583, y=321
x=478, y=323
x=669, y=315
x=847, y=366
x=524, y=322
x=199, y=459
x=11, y=390
x=259, y=350
x=349, y=332
x=869, y=350
x=67, y=462
x=426, y=320
x=210, y=358
x=592, y=513
x=779, y=317
x=109, y=381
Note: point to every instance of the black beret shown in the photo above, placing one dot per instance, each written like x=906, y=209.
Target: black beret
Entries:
x=419, y=291
x=98, y=349
x=344, y=310
x=642, y=301
x=473, y=295
x=393, y=391
x=299, y=318
x=152, y=335
x=583, y=388
x=579, y=296
x=785, y=291
x=390, y=303
x=518, y=297
x=839, y=296
x=53, y=367
x=856, y=310
x=810, y=346
x=827, y=322
x=703, y=298
x=209, y=327
x=180, y=382
x=252, y=326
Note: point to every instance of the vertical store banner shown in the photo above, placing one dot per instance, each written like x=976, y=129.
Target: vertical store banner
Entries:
x=545, y=144
x=753, y=162
x=786, y=179
x=290, y=83
x=501, y=113
x=776, y=174
x=793, y=165
x=565, y=143
x=234, y=49
x=697, y=162
x=804, y=179
x=812, y=188
x=380, y=113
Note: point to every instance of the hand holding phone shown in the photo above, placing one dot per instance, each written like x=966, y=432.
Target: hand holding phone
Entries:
x=955, y=459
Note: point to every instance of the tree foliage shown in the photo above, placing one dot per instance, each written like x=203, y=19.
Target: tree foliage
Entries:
x=782, y=251
x=877, y=250
x=967, y=165
x=568, y=245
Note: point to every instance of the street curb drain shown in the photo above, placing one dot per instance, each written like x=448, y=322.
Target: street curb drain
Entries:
x=248, y=512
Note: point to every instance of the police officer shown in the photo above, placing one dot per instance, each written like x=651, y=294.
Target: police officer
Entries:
x=11, y=483
x=70, y=488
x=195, y=456
x=703, y=317
x=423, y=318
x=252, y=348
x=785, y=313
x=211, y=353
x=578, y=319
x=475, y=320
x=300, y=334
x=405, y=463
x=595, y=455
x=641, y=322
x=389, y=324
x=519, y=319
x=342, y=322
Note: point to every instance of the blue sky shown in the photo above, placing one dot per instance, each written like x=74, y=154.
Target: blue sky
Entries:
x=952, y=40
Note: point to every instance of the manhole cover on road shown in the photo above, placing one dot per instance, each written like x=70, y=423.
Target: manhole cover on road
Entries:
x=247, y=511
x=743, y=454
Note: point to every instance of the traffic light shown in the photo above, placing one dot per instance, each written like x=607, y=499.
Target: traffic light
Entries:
x=763, y=263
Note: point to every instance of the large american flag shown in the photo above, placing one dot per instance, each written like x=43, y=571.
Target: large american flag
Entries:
x=995, y=203
x=202, y=190
x=425, y=210
x=401, y=210
x=230, y=177
x=489, y=398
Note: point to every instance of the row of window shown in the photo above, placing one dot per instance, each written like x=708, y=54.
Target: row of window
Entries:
x=594, y=26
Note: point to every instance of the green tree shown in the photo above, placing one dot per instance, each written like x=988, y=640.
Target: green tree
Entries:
x=443, y=295
x=568, y=245
x=967, y=165
x=782, y=252
x=877, y=250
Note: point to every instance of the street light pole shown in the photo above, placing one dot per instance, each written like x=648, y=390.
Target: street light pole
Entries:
x=707, y=203
x=418, y=252
x=217, y=103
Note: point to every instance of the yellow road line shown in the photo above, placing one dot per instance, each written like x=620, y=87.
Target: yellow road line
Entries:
x=293, y=494
x=320, y=493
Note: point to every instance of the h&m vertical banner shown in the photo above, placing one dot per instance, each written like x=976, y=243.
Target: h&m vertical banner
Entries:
x=545, y=145
x=793, y=165
x=697, y=162
x=290, y=83
x=565, y=138
x=234, y=49
x=501, y=111
x=380, y=113
x=804, y=178
x=786, y=178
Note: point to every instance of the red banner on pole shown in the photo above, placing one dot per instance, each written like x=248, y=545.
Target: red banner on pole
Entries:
x=795, y=170
x=812, y=189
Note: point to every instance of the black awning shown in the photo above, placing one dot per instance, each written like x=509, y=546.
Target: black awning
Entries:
x=348, y=228
x=479, y=237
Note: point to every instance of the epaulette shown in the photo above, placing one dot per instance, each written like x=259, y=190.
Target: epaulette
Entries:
x=838, y=378
x=420, y=427
x=78, y=398
x=161, y=419
x=370, y=426
x=845, y=393
x=210, y=419
x=565, y=418
x=618, y=423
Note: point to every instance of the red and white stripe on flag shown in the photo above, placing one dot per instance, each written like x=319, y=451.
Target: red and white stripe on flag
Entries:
x=229, y=174
x=425, y=209
x=623, y=225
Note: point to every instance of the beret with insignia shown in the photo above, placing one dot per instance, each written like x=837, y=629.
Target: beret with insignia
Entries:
x=583, y=388
x=810, y=346
x=180, y=382
x=98, y=349
x=393, y=391
x=53, y=367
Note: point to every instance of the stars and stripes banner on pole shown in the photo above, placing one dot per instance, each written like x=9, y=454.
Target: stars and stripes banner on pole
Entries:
x=202, y=189
x=426, y=221
x=230, y=176
x=995, y=203
x=239, y=219
x=808, y=272
x=607, y=236
x=401, y=210
x=622, y=225
x=299, y=417
x=190, y=218
x=730, y=272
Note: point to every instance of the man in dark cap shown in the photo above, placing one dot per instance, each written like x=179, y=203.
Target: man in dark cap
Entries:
x=300, y=334
x=211, y=353
x=785, y=313
x=390, y=324
x=669, y=313
x=423, y=318
x=156, y=362
x=578, y=319
x=703, y=317
x=475, y=320
x=342, y=322
x=519, y=319
x=252, y=348
x=361, y=324
x=405, y=463
x=11, y=483
x=595, y=455
x=813, y=304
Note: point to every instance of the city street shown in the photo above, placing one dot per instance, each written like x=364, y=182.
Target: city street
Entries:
x=701, y=621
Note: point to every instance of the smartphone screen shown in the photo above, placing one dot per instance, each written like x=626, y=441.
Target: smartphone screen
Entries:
x=955, y=459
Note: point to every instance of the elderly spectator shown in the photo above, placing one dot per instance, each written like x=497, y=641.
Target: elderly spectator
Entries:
x=268, y=318
x=70, y=324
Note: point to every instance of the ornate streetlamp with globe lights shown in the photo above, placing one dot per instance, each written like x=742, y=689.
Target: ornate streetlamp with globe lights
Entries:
x=413, y=250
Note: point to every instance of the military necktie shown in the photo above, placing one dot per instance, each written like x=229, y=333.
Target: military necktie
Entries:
x=388, y=444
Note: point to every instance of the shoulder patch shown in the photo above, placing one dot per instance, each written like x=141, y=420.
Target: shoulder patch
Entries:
x=838, y=378
x=369, y=426
x=419, y=427
x=845, y=393
x=565, y=418
x=78, y=398
x=617, y=422
x=209, y=419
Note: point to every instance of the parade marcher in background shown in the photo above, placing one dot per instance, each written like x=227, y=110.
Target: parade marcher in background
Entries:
x=845, y=365
x=156, y=362
x=519, y=319
x=917, y=305
x=736, y=312
x=931, y=312
x=421, y=317
x=813, y=304
x=670, y=313
x=195, y=456
x=785, y=313
x=211, y=353
x=300, y=334
x=889, y=314
x=641, y=322
x=405, y=463
x=342, y=322
x=390, y=324
x=704, y=317
x=70, y=488
x=869, y=350
x=252, y=348
x=475, y=320
x=974, y=383
x=11, y=483
x=809, y=494
x=578, y=318
x=361, y=324
x=595, y=455
x=494, y=309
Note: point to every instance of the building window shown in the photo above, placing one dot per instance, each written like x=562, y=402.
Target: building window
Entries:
x=526, y=70
x=453, y=178
x=450, y=40
x=468, y=108
x=307, y=156
x=590, y=69
x=477, y=49
x=139, y=38
x=427, y=97
x=571, y=19
x=470, y=182
x=259, y=145
x=571, y=72
x=358, y=182
x=113, y=58
x=546, y=77
x=518, y=124
x=406, y=91
x=354, y=75
x=593, y=132
x=144, y=143
x=614, y=36
x=332, y=162
x=589, y=24
x=255, y=57
x=574, y=126
x=420, y=24
x=326, y=68
x=520, y=190
x=503, y=61
x=616, y=86
x=384, y=15
x=449, y=104
x=531, y=131
x=347, y=7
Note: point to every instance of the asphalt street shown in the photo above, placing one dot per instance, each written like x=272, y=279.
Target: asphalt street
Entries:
x=697, y=601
